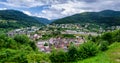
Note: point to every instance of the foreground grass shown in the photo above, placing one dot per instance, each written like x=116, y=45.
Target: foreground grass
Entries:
x=112, y=55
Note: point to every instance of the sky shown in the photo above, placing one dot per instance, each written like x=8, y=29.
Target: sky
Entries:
x=55, y=9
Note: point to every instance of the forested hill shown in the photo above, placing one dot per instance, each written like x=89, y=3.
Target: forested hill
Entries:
x=16, y=19
x=108, y=17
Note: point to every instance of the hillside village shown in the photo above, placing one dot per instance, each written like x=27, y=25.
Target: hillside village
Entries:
x=37, y=33
x=59, y=43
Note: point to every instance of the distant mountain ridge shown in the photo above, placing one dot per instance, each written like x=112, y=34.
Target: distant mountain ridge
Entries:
x=108, y=17
x=17, y=19
x=43, y=20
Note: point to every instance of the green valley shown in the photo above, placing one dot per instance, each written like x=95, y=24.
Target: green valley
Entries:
x=90, y=37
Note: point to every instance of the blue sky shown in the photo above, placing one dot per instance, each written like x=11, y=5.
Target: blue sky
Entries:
x=54, y=9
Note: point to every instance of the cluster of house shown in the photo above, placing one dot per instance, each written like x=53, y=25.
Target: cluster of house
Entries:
x=113, y=27
x=71, y=26
x=59, y=43
x=81, y=33
x=27, y=31
x=77, y=26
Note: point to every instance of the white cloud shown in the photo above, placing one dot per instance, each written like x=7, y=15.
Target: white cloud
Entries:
x=27, y=12
x=62, y=10
x=22, y=3
x=70, y=7
x=3, y=8
x=30, y=3
x=73, y=7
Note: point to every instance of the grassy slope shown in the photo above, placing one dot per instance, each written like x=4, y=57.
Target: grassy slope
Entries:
x=110, y=56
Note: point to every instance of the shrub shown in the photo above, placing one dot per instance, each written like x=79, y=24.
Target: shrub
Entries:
x=38, y=58
x=7, y=42
x=33, y=45
x=46, y=44
x=108, y=37
x=23, y=39
x=72, y=53
x=111, y=37
x=87, y=49
x=59, y=56
x=103, y=45
x=10, y=55
x=116, y=36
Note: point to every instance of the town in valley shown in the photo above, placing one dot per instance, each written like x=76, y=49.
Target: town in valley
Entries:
x=60, y=36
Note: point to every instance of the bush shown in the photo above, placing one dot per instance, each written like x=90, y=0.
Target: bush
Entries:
x=38, y=58
x=10, y=55
x=108, y=37
x=87, y=49
x=103, y=45
x=111, y=37
x=33, y=45
x=46, y=44
x=23, y=39
x=72, y=53
x=59, y=56
x=7, y=42
x=116, y=36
